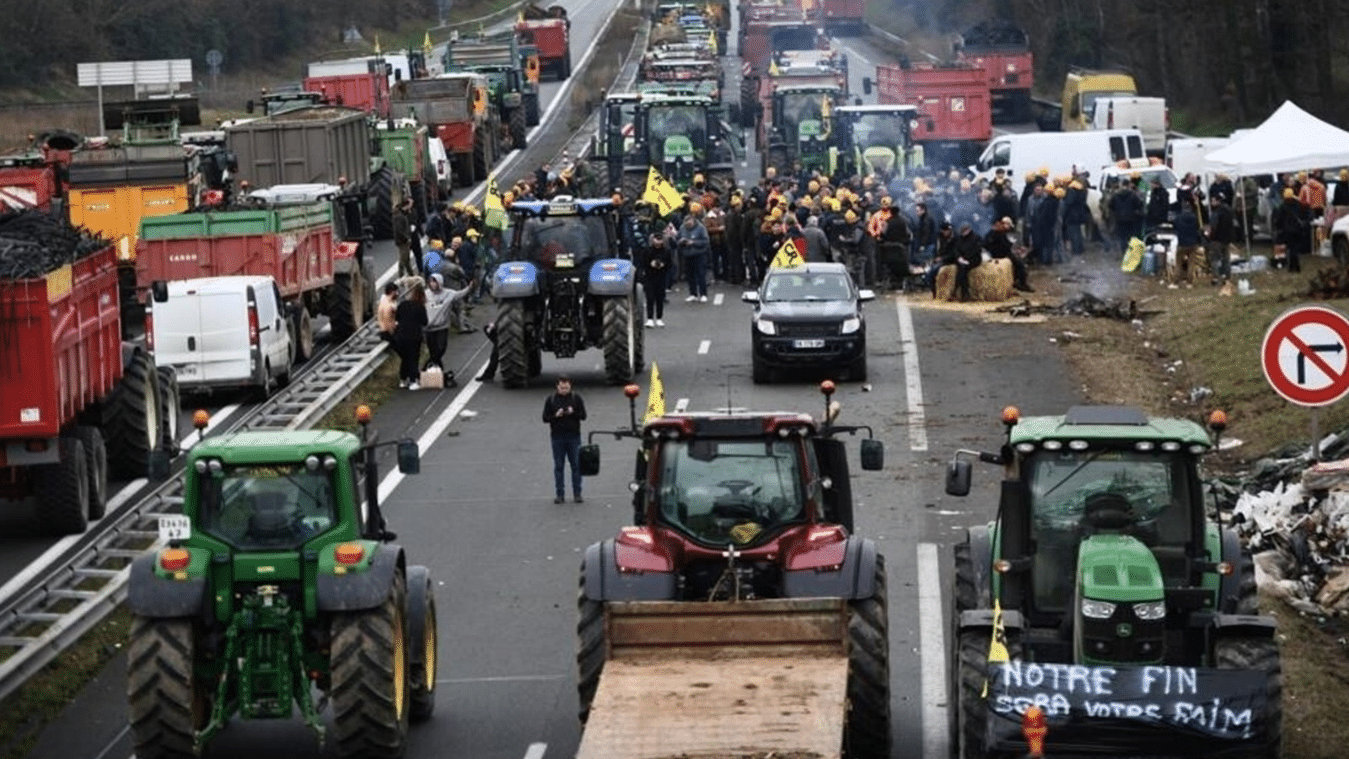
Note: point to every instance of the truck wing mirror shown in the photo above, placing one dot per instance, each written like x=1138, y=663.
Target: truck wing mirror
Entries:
x=958, y=477
x=157, y=467
x=409, y=457
x=159, y=290
x=873, y=454
x=589, y=460
x=866, y=85
x=248, y=106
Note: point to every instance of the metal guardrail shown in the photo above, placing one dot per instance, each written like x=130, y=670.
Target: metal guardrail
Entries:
x=50, y=612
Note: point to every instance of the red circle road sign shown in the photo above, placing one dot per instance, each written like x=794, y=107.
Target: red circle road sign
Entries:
x=1305, y=355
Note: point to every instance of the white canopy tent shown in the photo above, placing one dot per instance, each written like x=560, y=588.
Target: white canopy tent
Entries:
x=1289, y=140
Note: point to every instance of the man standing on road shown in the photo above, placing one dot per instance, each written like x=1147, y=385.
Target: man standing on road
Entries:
x=563, y=412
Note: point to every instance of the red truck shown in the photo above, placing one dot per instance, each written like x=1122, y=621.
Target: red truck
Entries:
x=360, y=83
x=77, y=405
x=767, y=29
x=954, y=116
x=1003, y=51
x=842, y=15
x=548, y=30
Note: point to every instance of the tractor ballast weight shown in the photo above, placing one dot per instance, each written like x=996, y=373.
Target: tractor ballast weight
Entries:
x=1122, y=610
x=279, y=577
x=566, y=285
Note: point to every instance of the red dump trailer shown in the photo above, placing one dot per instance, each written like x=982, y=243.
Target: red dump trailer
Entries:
x=78, y=406
x=954, y=116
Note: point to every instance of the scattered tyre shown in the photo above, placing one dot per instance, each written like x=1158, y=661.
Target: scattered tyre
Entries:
x=63, y=489
x=131, y=421
x=369, y=666
x=167, y=703
x=422, y=642
x=590, y=646
x=1258, y=654
x=867, y=732
x=511, y=356
x=382, y=188
x=619, y=330
x=96, y=467
x=518, y=129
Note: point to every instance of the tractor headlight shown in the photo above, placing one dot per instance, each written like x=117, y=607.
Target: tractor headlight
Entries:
x=851, y=325
x=1151, y=610
x=1097, y=609
x=766, y=326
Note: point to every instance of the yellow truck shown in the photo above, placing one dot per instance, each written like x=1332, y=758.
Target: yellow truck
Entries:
x=1083, y=87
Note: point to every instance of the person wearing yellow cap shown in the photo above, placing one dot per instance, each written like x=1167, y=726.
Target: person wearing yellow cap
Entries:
x=1076, y=214
x=1126, y=210
x=694, y=247
x=1046, y=228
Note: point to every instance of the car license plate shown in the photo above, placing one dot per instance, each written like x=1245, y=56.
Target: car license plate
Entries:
x=185, y=370
x=174, y=527
x=803, y=344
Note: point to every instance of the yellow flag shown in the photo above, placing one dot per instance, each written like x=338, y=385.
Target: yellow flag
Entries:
x=494, y=211
x=426, y=43
x=997, y=645
x=788, y=256
x=655, y=398
x=377, y=50
x=773, y=68
x=661, y=193
x=712, y=42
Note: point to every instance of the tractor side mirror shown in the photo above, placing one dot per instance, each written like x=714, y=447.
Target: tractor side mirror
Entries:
x=866, y=85
x=248, y=106
x=157, y=467
x=639, y=466
x=159, y=289
x=409, y=457
x=589, y=460
x=873, y=454
x=958, y=477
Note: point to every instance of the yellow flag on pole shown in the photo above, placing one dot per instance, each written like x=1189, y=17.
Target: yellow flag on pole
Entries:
x=661, y=193
x=788, y=256
x=377, y=49
x=712, y=42
x=426, y=44
x=655, y=398
x=997, y=645
x=494, y=211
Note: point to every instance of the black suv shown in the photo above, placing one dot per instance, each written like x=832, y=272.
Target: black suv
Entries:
x=809, y=316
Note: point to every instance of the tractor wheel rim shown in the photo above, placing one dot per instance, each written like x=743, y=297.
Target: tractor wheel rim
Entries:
x=429, y=654
x=399, y=668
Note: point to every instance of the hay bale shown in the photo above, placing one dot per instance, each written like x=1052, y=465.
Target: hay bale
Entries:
x=990, y=281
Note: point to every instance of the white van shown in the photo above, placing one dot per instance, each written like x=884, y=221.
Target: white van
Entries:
x=222, y=332
x=1060, y=152
x=1149, y=116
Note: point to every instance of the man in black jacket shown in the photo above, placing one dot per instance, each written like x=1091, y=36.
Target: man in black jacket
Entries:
x=965, y=254
x=563, y=412
x=999, y=245
x=1221, y=235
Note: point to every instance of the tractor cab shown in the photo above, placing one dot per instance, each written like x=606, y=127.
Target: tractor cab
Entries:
x=680, y=136
x=801, y=125
x=875, y=139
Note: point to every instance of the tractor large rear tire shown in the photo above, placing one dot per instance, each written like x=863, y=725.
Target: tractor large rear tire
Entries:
x=346, y=304
x=967, y=588
x=590, y=646
x=532, y=109
x=167, y=703
x=1248, y=601
x=64, y=489
x=1260, y=654
x=619, y=333
x=867, y=733
x=131, y=422
x=519, y=130
x=482, y=152
x=96, y=467
x=382, y=187
x=512, y=358
x=370, y=679
x=423, y=652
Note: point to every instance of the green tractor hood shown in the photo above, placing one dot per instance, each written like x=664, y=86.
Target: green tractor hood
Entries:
x=1121, y=612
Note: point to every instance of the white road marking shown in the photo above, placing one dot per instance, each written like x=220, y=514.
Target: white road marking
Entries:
x=913, y=380
x=535, y=750
x=718, y=299
x=433, y=433
x=704, y=347
x=932, y=649
x=681, y=405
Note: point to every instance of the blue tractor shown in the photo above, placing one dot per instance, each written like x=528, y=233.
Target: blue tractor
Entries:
x=566, y=284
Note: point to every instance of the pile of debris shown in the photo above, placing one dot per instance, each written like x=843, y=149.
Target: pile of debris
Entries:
x=1085, y=304
x=1329, y=283
x=1293, y=514
x=34, y=242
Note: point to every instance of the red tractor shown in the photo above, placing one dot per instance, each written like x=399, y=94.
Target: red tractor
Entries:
x=737, y=512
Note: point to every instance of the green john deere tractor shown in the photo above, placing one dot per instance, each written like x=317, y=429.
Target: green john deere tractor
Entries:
x=874, y=139
x=1104, y=595
x=279, y=578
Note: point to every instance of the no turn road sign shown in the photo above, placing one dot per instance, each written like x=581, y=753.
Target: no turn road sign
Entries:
x=1305, y=355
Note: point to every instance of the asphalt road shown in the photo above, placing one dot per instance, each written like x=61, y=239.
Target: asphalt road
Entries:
x=505, y=558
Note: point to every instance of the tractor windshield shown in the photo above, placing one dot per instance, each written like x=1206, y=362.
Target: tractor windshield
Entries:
x=1155, y=484
x=266, y=507
x=668, y=124
x=799, y=108
x=880, y=129
x=730, y=491
x=562, y=242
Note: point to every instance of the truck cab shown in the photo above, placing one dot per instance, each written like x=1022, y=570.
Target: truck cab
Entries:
x=1083, y=87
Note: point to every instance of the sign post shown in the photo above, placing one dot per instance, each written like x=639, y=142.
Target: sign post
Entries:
x=1305, y=357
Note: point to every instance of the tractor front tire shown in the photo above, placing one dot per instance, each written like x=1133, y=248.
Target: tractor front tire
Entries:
x=1258, y=654
x=518, y=129
x=132, y=422
x=381, y=187
x=167, y=703
x=971, y=677
x=511, y=354
x=370, y=679
x=619, y=333
x=423, y=651
x=868, y=727
x=590, y=645
x=64, y=489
